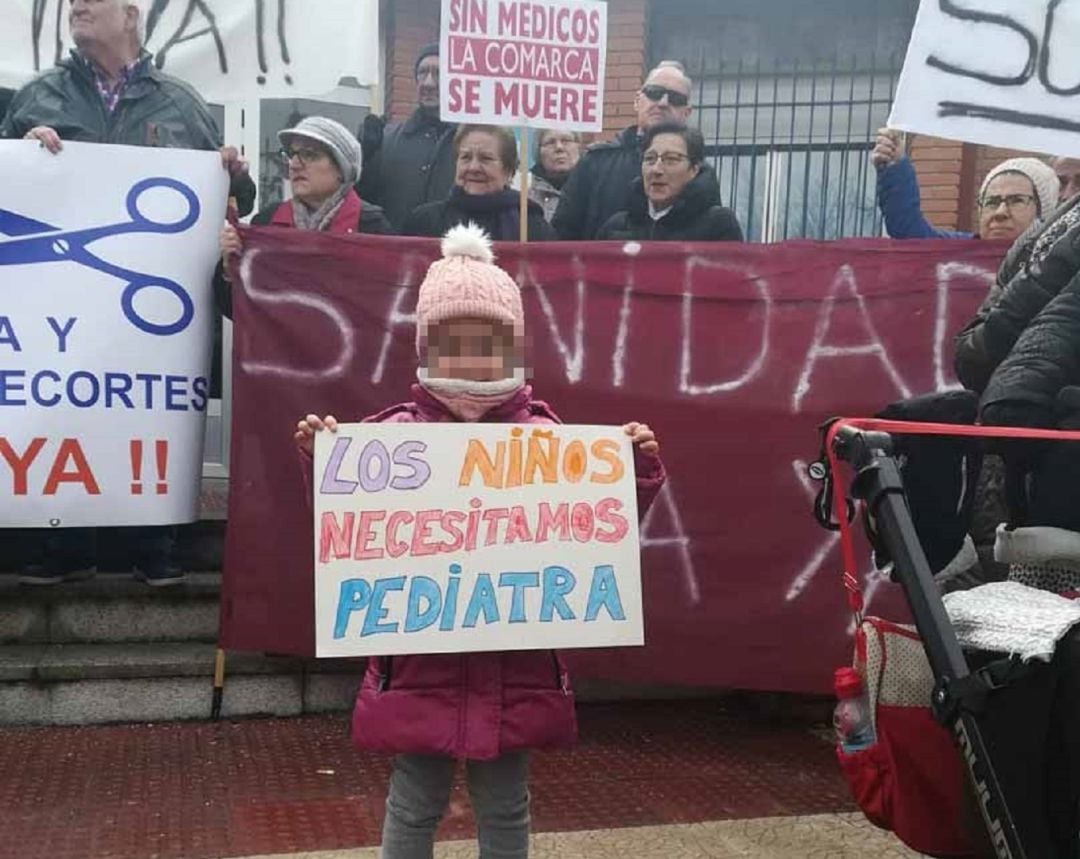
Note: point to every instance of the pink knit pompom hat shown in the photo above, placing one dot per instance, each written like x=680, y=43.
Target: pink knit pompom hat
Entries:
x=466, y=282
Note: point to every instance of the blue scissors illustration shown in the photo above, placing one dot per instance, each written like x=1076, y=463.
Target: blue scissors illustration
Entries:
x=37, y=242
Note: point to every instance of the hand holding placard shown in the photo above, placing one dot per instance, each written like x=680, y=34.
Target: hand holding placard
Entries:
x=434, y=538
x=306, y=429
x=888, y=148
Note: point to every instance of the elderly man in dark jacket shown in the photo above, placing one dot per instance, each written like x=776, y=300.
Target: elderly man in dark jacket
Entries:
x=674, y=199
x=411, y=163
x=108, y=91
x=600, y=185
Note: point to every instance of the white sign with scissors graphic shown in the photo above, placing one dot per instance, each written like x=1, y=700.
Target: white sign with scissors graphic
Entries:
x=107, y=255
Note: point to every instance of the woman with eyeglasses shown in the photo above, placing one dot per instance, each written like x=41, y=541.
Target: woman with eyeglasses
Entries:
x=557, y=153
x=1014, y=195
x=487, y=160
x=671, y=200
x=324, y=162
x=600, y=185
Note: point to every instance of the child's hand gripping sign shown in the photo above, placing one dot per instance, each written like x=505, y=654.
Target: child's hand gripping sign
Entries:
x=445, y=538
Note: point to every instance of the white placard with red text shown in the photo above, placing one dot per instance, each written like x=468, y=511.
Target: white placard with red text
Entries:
x=537, y=63
x=447, y=538
x=107, y=255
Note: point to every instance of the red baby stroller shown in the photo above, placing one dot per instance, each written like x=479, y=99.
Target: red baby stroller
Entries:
x=945, y=776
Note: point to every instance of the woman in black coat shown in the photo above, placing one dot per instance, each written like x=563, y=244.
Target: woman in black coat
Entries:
x=486, y=159
x=677, y=197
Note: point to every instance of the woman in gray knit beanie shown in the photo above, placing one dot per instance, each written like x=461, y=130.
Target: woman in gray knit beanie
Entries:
x=324, y=162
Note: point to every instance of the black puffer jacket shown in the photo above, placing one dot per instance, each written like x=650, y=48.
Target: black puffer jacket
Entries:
x=599, y=186
x=1024, y=389
x=1022, y=290
x=497, y=214
x=696, y=216
x=1036, y=386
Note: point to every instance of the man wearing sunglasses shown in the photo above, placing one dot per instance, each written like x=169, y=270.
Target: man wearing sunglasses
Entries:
x=601, y=183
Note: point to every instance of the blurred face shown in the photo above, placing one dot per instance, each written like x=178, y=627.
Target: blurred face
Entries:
x=111, y=23
x=1068, y=173
x=427, y=83
x=653, y=103
x=1007, y=208
x=559, y=152
x=313, y=173
x=480, y=170
x=478, y=350
x=666, y=169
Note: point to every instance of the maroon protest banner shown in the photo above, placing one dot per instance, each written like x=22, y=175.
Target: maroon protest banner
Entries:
x=733, y=353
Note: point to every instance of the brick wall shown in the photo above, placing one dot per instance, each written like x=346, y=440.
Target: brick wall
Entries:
x=627, y=46
x=938, y=165
x=411, y=24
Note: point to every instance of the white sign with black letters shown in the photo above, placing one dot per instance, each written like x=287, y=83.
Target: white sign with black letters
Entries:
x=227, y=49
x=999, y=72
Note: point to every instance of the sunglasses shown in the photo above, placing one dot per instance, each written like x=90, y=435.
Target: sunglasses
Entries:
x=653, y=92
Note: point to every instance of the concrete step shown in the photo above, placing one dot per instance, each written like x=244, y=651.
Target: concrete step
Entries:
x=111, y=608
x=84, y=684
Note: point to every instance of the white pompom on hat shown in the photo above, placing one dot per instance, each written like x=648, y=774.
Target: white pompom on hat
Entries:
x=466, y=282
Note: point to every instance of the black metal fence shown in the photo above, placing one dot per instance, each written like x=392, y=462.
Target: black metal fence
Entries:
x=791, y=145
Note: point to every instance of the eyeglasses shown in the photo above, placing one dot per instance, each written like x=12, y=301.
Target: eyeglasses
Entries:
x=425, y=72
x=1011, y=201
x=553, y=142
x=668, y=159
x=306, y=154
x=654, y=92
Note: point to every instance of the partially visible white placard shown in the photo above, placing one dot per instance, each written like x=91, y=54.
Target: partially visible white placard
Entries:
x=228, y=50
x=1000, y=72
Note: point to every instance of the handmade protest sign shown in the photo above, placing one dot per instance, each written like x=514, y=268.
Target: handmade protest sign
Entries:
x=1000, y=72
x=451, y=538
x=226, y=49
x=510, y=62
x=106, y=260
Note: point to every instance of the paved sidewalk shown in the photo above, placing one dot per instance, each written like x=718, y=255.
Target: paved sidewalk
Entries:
x=830, y=836
x=672, y=780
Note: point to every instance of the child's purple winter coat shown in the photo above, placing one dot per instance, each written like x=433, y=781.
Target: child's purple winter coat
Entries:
x=474, y=705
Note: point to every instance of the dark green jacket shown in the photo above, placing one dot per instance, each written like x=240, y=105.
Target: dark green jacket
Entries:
x=155, y=109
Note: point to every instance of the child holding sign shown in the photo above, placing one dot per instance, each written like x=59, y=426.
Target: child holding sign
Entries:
x=487, y=708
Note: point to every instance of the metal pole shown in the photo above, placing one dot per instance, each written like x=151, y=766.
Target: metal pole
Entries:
x=219, y=684
x=523, y=166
